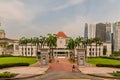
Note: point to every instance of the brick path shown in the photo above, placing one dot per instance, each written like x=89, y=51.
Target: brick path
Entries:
x=62, y=65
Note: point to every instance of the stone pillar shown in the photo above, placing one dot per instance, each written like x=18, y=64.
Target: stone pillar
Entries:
x=44, y=56
x=80, y=57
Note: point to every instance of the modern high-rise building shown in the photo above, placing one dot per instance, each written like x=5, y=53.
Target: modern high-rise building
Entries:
x=101, y=31
x=116, y=36
x=86, y=31
x=92, y=30
x=108, y=32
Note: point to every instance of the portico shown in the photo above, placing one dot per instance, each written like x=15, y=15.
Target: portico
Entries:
x=61, y=53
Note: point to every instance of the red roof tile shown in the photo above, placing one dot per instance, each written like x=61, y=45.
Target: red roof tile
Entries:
x=61, y=34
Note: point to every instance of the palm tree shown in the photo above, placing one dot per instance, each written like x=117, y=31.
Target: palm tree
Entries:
x=89, y=42
x=42, y=41
x=96, y=40
x=21, y=42
x=71, y=45
x=36, y=42
x=99, y=43
x=78, y=41
x=84, y=43
x=51, y=42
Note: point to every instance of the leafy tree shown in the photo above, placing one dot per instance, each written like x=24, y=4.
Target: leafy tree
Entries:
x=97, y=41
x=104, y=50
x=71, y=45
x=51, y=42
x=78, y=40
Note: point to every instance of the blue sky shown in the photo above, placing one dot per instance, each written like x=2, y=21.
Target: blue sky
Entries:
x=39, y=17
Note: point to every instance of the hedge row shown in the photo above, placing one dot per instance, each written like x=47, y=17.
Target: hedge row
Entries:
x=111, y=58
x=108, y=65
x=13, y=65
x=7, y=75
x=6, y=55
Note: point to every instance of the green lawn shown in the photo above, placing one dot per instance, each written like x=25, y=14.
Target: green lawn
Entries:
x=4, y=60
x=95, y=61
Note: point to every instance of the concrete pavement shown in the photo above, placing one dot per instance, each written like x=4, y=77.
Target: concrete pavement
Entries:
x=99, y=71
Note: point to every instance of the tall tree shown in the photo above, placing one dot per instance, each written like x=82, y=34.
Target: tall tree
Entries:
x=96, y=40
x=84, y=43
x=36, y=42
x=51, y=42
x=78, y=41
x=22, y=43
x=42, y=41
x=99, y=43
x=71, y=45
x=89, y=43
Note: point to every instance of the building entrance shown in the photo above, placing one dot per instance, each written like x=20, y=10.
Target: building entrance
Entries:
x=61, y=54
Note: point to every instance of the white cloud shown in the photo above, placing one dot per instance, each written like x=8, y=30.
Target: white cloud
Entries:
x=68, y=4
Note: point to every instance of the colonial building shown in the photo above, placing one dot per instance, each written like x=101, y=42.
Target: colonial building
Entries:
x=93, y=51
x=61, y=50
x=6, y=44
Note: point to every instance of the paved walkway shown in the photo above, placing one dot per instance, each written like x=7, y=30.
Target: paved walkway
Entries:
x=23, y=72
x=98, y=71
x=62, y=65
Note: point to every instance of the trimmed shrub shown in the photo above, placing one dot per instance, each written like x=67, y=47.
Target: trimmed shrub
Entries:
x=108, y=65
x=13, y=65
x=6, y=55
x=7, y=75
x=117, y=73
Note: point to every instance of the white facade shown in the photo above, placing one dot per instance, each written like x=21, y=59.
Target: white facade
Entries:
x=92, y=30
x=27, y=50
x=92, y=51
x=61, y=50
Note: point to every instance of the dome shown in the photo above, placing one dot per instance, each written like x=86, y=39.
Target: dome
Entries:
x=1, y=28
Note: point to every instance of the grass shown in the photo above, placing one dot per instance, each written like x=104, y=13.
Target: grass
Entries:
x=99, y=60
x=5, y=60
x=116, y=74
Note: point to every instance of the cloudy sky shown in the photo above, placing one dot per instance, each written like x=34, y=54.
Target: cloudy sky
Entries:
x=39, y=17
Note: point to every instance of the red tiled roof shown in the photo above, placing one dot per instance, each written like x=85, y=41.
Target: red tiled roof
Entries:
x=61, y=34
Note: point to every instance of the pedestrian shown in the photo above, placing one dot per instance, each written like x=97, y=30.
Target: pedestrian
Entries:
x=57, y=61
x=73, y=68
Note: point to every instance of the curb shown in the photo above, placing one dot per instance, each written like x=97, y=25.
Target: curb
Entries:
x=103, y=76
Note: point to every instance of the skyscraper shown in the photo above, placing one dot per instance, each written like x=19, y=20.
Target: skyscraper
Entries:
x=116, y=35
x=92, y=30
x=108, y=32
x=101, y=31
x=86, y=31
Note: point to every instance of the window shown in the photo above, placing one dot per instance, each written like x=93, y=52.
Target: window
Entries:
x=60, y=41
x=28, y=49
x=89, y=49
x=90, y=53
x=16, y=47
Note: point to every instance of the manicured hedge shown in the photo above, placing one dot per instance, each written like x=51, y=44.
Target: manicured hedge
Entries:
x=117, y=73
x=108, y=65
x=6, y=55
x=13, y=65
x=111, y=58
x=7, y=75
